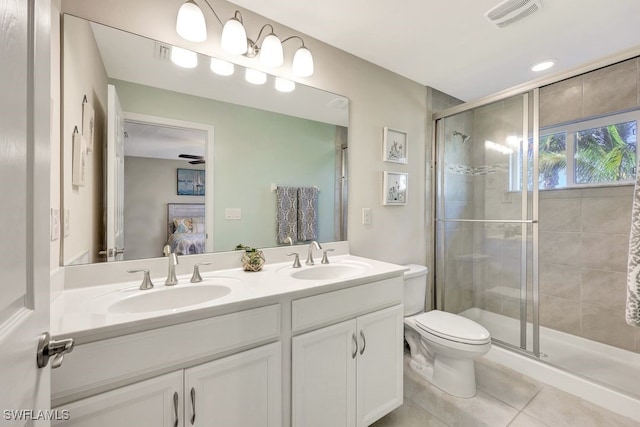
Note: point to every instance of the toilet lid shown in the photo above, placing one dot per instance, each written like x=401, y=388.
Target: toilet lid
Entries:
x=452, y=327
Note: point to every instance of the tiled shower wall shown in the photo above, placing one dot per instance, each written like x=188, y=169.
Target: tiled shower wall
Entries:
x=584, y=232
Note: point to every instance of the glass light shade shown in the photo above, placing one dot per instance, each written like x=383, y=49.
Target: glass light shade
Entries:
x=184, y=58
x=543, y=65
x=302, y=63
x=234, y=37
x=222, y=67
x=285, y=85
x=255, y=77
x=271, y=53
x=190, y=24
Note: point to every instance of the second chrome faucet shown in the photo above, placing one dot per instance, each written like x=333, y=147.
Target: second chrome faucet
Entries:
x=173, y=261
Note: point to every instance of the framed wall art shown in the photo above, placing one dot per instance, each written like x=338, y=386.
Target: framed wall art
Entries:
x=395, y=144
x=395, y=188
x=191, y=182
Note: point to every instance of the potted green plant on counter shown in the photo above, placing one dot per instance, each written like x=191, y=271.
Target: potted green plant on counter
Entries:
x=252, y=258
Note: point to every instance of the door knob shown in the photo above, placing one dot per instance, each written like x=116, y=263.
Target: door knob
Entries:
x=48, y=348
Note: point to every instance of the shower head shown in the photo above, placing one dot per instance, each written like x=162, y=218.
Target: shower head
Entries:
x=463, y=137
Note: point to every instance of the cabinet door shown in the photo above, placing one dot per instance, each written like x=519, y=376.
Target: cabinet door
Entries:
x=151, y=403
x=379, y=370
x=242, y=390
x=323, y=390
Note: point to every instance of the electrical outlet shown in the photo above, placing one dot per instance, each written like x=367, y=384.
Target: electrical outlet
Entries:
x=366, y=216
x=55, y=224
x=233, y=213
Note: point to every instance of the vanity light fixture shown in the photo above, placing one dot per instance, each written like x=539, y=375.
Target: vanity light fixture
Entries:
x=222, y=67
x=255, y=77
x=285, y=85
x=235, y=41
x=543, y=65
x=184, y=58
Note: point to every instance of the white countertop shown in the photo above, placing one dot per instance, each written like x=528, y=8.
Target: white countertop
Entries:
x=76, y=314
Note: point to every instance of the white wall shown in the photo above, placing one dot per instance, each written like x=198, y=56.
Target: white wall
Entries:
x=378, y=98
x=84, y=74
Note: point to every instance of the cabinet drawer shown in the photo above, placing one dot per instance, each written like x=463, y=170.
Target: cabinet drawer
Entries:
x=333, y=307
x=102, y=365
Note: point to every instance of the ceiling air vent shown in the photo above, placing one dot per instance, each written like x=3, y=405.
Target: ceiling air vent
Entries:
x=510, y=11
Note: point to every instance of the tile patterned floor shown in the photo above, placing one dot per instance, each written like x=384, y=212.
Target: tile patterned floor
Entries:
x=505, y=398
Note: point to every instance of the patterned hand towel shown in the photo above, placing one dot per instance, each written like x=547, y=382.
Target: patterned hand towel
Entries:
x=307, y=213
x=632, y=314
x=287, y=214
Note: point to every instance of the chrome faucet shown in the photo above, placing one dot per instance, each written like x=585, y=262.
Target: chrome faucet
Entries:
x=313, y=244
x=173, y=261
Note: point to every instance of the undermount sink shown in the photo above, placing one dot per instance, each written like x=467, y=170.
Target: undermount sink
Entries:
x=168, y=298
x=328, y=271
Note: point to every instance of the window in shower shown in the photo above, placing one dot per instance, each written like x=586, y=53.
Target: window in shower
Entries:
x=597, y=152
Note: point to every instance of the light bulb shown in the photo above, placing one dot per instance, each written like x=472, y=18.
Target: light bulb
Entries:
x=190, y=24
x=255, y=77
x=302, y=63
x=234, y=37
x=184, y=58
x=285, y=85
x=221, y=67
x=271, y=53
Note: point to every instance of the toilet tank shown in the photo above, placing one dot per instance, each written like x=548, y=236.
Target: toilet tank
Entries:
x=415, y=289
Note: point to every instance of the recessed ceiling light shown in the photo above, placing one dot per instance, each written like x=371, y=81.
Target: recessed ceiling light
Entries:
x=543, y=65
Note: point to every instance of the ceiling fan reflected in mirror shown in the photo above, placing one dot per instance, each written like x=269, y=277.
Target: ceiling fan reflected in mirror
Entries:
x=195, y=160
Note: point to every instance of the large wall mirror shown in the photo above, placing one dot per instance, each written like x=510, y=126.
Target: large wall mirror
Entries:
x=156, y=153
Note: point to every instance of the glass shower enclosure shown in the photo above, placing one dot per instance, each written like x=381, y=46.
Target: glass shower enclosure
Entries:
x=486, y=218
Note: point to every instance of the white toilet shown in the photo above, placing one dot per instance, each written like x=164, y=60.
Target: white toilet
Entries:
x=443, y=345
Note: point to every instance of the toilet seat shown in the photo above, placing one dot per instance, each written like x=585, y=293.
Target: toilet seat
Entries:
x=452, y=327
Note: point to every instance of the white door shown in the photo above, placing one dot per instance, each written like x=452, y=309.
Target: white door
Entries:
x=324, y=377
x=243, y=390
x=379, y=371
x=156, y=402
x=115, y=177
x=24, y=174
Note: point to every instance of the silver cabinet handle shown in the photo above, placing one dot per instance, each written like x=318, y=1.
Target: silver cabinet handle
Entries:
x=364, y=342
x=48, y=348
x=355, y=342
x=193, y=405
x=175, y=407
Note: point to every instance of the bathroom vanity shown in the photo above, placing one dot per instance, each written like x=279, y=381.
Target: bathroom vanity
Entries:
x=313, y=346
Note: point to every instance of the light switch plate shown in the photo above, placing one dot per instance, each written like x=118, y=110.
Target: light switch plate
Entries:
x=55, y=224
x=366, y=216
x=233, y=213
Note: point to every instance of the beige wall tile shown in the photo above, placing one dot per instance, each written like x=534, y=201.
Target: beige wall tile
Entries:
x=560, y=214
x=611, y=191
x=561, y=281
x=606, y=215
x=604, y=251
x=560, y=314
x=611, y=89
x=560, y=248
x=561, y=102
x=607, y=326
x=605, y=288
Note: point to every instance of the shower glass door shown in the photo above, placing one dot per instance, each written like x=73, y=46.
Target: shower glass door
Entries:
x=486, y=196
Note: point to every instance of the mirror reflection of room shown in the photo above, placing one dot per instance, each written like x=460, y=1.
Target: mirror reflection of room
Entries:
x=229, y=140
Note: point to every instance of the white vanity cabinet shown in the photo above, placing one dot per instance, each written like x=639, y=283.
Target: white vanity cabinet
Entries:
x=154, y=403
x=349, y=373
x=242, y=390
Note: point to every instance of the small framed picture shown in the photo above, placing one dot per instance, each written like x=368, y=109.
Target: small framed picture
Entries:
x=395, y=146
x=79, y=160
x=395, y=188
x=191, y=182
x=88, y=125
